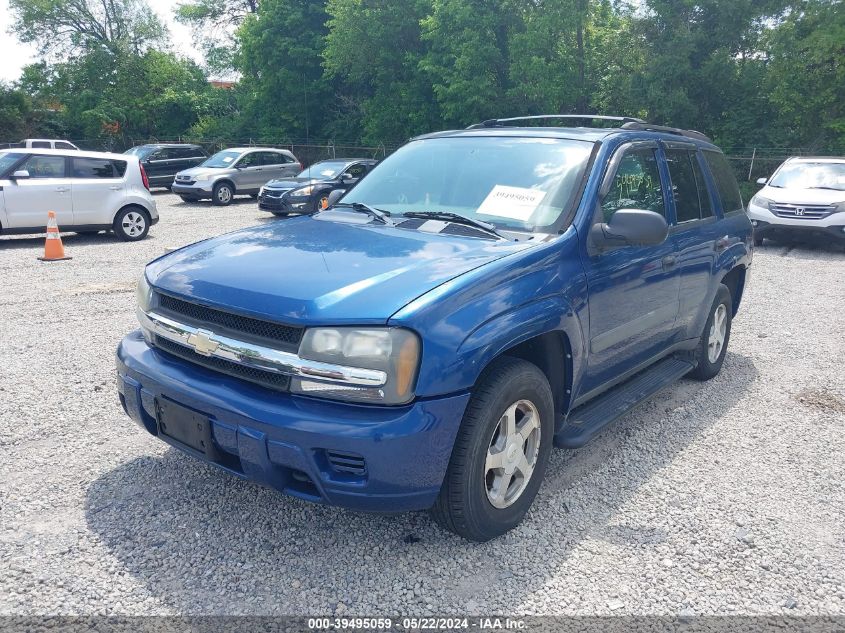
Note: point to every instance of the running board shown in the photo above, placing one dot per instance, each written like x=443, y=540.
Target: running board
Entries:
x=588, y=420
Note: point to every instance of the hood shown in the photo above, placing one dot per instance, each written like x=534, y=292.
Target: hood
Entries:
x=291, y=183
x=315, y=270
x=802, y=196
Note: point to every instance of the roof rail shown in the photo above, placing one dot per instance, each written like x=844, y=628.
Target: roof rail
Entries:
x=628, y=123
x=540, y=117
x=648, y=127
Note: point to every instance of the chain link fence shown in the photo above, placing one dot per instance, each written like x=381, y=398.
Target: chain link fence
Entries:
x=307, y=152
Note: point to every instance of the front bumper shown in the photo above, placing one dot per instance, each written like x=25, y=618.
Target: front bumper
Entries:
x=284, y=204
x=197, y=190
x=767, y=224
x=287, y=442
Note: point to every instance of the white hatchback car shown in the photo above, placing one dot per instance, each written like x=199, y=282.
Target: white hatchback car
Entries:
x=89, y=192
x=804, y=196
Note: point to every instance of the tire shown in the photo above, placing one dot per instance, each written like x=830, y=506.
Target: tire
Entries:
x=131, y=224
x=254, y=196
x=710, y=354
x=223, y=194
x=187, y=199
x=475, y=502
x=758, y=240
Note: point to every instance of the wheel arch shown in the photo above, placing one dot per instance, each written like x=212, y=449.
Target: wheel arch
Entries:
x=132, y=205
x=225, y=181
x=734, y=279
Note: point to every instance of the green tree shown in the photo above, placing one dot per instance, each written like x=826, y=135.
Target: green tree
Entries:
x=214, y=23
x=280, y=58
x=373, y=54
x=806, y=78
x=62, y=27
x=468, y=57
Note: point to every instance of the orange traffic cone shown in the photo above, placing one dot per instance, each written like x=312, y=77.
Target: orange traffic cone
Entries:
x=54, y=251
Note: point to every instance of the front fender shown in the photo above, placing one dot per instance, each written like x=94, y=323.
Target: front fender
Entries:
x=468, y=322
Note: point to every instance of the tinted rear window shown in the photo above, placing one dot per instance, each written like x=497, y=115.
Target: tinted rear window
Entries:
x=40, y=145
x=725, y=182
x=98, y=168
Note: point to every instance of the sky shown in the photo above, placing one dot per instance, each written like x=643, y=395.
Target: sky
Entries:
x=14, y=55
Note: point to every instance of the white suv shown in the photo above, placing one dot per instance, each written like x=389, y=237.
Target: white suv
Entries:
x=805, y=195
x=89, y=192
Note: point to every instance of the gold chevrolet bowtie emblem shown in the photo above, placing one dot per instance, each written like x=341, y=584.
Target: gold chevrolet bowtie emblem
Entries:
x=202, y=342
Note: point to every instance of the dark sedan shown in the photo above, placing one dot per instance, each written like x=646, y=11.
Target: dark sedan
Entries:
x=310, y=190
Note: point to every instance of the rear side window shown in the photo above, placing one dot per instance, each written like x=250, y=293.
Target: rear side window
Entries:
x=44, y=166
x=63, y=145
x=692, y=201
x=98, y=168
x=725, y=180
x=636, y=185
x=40, y=145
x=274, y=158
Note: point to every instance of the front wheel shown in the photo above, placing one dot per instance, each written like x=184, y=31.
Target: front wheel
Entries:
x=131, y=224
x=223, y=194
x=713, y=345
x=500, y=455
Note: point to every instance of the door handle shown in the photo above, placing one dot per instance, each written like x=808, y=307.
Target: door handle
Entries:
x=62, y=189
x=115, y=188
x=722, y=243
x=669, y=262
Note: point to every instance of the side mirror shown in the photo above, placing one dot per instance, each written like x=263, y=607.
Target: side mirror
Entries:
x=635, y=227
x=334, y=196
x=22, y=174
x=762, y=181
x=346, y=176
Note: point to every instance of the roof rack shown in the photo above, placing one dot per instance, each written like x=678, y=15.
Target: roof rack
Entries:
x=648, y=127
x=628, y=123
x=540, y=117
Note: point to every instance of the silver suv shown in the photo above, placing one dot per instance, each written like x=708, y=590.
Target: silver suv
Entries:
x=235, y=171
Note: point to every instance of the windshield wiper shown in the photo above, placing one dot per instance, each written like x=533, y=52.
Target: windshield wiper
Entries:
x=360, y=207
x=447, y=216
x=828, y=188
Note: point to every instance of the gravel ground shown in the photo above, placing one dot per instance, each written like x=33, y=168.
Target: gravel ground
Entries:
x=717, y=498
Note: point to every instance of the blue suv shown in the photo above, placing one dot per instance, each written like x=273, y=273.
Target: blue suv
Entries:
x=482, y=296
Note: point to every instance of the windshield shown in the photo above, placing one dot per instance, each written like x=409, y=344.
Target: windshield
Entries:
x=226, y=158
x=518, y=183
x=7, y=160
x=140, y=151
x=327, y=170
x=807, y=175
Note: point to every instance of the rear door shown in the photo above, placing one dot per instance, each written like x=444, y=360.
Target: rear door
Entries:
x=98, y=189
x=278, y=165
x=48, y=188
x=695, y=231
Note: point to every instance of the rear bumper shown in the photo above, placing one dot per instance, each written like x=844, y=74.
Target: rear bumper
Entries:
x=286, y=441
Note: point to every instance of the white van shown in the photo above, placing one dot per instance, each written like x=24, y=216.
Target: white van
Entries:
x=89, y=192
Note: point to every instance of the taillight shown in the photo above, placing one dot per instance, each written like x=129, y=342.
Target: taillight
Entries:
x=144, y=178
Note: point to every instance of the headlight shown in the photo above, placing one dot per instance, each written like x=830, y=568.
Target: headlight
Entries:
x=203, y=177
x=760, y=201
x=304, y=191
x=144, y=293
x=261, y=191
x=392, y=350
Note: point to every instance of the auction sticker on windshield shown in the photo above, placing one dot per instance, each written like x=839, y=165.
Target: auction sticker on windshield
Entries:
x=515, y=203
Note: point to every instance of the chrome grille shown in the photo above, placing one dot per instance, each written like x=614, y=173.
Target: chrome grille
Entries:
x=245, y=327
x=275, y=193
x=802, y=211
x=269, y=379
